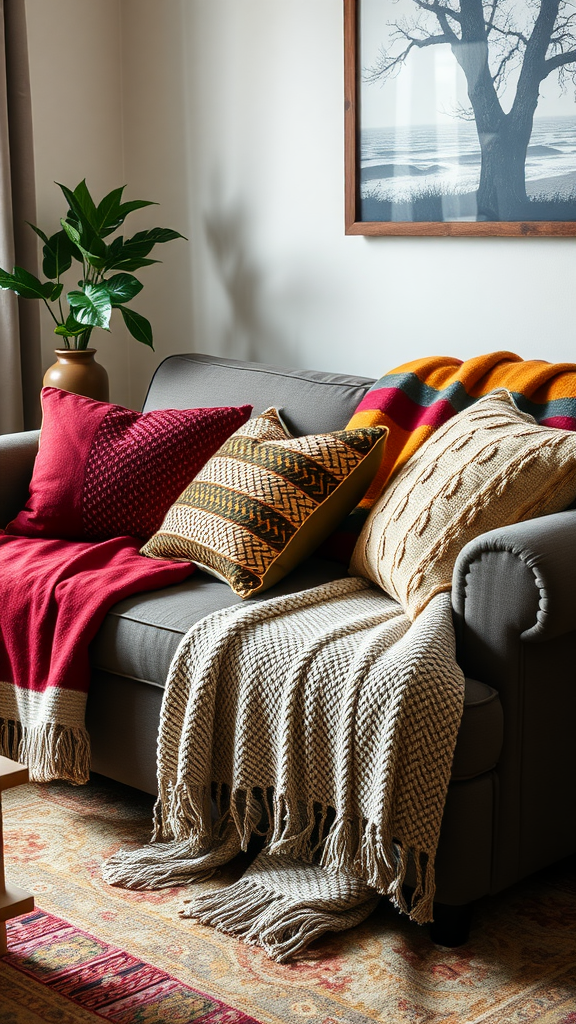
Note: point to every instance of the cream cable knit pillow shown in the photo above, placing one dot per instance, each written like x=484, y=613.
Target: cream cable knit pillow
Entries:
x=489, y=466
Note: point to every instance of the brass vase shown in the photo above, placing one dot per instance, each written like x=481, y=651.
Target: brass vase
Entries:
x=75, y=370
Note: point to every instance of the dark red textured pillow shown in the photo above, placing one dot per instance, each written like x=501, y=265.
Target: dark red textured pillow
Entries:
x=105, y=471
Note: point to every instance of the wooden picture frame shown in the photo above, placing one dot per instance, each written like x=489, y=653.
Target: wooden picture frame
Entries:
x=356, y=223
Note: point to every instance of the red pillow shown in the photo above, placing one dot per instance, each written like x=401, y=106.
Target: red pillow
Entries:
x=104, y=471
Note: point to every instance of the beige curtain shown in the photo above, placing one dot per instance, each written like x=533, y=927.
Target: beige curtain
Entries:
x=20, y=359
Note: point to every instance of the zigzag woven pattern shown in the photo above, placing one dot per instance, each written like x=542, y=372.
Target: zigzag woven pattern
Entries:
x=416, y=398
x=247, y=479
x=234, y=544
x=243, y=509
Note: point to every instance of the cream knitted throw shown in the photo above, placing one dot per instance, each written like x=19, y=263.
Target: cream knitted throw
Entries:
x=324, y=720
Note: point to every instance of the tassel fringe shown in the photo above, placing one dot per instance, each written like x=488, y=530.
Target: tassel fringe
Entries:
x=197, y=830
x=165, y=865
x=51, y=751
x=284, y=923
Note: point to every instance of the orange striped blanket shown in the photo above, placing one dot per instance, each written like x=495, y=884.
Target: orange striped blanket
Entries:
x=418, y=397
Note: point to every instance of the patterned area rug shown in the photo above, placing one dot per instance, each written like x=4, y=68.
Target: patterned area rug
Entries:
x=98, y=978
x=519, y=967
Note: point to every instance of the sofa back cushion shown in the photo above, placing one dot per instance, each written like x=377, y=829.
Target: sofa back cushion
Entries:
x=311, y=402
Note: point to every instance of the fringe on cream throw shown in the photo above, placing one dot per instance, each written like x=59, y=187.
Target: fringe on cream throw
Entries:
x=324, y=720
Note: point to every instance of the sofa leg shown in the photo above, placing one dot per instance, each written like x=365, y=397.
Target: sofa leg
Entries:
x=451, y=925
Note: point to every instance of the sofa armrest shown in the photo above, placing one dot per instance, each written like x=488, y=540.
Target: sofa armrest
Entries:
x=514, y=602
x=524, y=575
x=17, y=454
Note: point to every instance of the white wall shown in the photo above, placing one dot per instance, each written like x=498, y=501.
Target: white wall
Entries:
x=75, y=54
x=232, y=118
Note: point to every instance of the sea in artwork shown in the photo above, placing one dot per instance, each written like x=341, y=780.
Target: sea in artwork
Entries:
x=401, y=166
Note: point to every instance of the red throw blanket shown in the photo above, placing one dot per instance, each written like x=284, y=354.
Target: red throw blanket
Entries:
x=54, y=595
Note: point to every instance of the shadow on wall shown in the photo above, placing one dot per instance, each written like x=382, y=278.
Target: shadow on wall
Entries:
x=251, y=334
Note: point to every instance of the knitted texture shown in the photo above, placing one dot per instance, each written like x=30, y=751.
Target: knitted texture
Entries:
x=324, y=714
x=104, y=471
x=416, y=398
x=487, y=467
x=266, y=500
x=282, y=905
x=55, y=594
x=138, y=464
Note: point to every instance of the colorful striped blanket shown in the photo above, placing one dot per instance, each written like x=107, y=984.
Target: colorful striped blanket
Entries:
x=418, y=397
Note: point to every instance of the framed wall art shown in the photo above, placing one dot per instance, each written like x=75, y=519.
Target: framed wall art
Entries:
x=460, y=117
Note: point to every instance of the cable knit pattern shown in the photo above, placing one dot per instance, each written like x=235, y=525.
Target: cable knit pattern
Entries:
x=489, y=466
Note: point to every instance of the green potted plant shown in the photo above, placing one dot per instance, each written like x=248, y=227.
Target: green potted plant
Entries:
x=106, y=283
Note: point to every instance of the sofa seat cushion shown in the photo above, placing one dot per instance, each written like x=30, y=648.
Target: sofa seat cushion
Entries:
x=481, y=731
x=140, y=635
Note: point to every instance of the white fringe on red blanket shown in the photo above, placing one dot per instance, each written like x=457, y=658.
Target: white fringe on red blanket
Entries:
x=45, y=731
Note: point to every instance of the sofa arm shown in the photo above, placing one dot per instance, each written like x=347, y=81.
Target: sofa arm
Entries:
x=524, y=575
x=514, y=602
x=17, y=454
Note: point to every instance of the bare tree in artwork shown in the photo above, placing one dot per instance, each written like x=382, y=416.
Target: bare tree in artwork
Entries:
x=489, y=40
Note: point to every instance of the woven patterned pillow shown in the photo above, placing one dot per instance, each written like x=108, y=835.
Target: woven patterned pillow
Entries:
x=266, y=500
x=105, y=471
x=487, y=467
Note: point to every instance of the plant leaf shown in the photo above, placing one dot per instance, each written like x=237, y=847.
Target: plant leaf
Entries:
x=96, y=259
x=135, y=204
x=92, y=306
x=139, y=327
x=58, y=253
x=131, y=253
x=27, y=285
x=38, y=231
x=129, y=263
x=122, y=288
x=137, y=246
x=99, y=221
x=82, y=203
x=116, y=245
x=154, y=235
x=112, y=212
x=7, y=281
x=122, y=255
x=83, y=216
x=75, y=207
x=72, y=231
x=70, y=329
x=108, y=211
x=30, y=287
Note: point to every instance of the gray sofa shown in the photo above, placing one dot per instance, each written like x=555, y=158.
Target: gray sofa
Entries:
x=511, y=806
